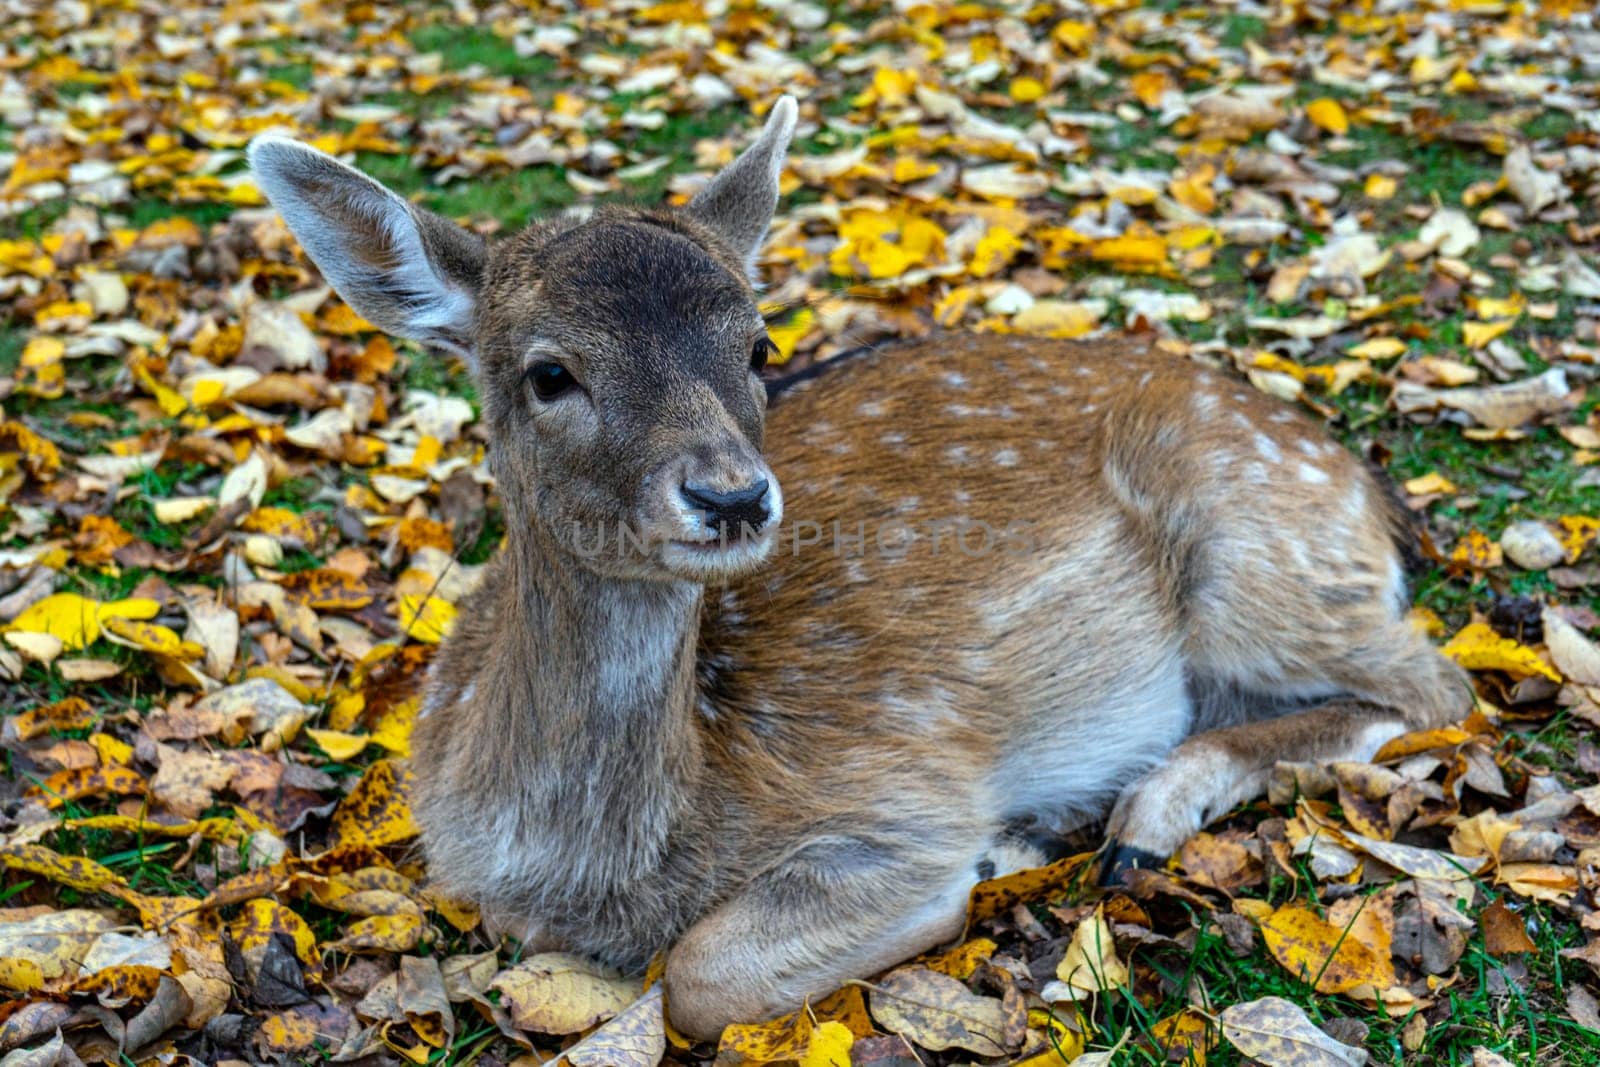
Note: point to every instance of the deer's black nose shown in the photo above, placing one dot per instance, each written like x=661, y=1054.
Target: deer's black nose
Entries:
x=729, y=512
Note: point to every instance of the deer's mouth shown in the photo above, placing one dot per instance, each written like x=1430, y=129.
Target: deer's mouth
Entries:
x=719, y=557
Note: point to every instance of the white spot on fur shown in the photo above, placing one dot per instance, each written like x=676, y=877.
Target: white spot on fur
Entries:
x=958, y=454
x=1268, y=448
x=1006, y=457
x=1205, y=403
x=955, y=379
x=872, y=409
x=1314, y=475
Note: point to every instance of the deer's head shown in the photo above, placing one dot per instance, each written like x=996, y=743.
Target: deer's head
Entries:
x=617, y=357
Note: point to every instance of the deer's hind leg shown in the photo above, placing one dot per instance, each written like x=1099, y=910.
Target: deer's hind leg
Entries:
x=1315, y=662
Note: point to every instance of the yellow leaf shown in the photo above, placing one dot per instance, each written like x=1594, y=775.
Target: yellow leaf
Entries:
x=1151, y=86
x=1380, y=187
x=1326, y=113
x=51, y=945
x=1090, y=964
x=1321, y=954
x=829, y=1046
x=1056, y=318
x=151, y=637
x=1195, y=189
x=1073, y=36
x=113, y=752
x=287, y=1032
x=996, y=896
x=1578, y=532
x=1478, y=648
x=76, y=620
x=1133, y=252
x=382, y=933
x=260, y=919
x=79, y=872
x=1026, y=90
x=557, y=993
x=71, y=619
x=339, y=745
x=962, y=960
x=426, y=618
x=1510, y=307
x=1427, y=484
x=1479, y=334
x=996, y=248
x=43, y=351
x=131, y=608
x=376, y=812
x=1378, y=348
x=1185, y=1038
x=788, y=335
x=1475, y=551
x=781, y=1039
x=64, y=315
x=20, y=975
x=72, y=713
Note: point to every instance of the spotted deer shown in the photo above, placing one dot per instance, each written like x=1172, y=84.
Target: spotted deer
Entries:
x=752, y=731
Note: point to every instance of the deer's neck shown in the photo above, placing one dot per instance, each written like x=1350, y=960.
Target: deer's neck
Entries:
x=611, y=729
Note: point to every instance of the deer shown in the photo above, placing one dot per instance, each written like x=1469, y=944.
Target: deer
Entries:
x=754, y=733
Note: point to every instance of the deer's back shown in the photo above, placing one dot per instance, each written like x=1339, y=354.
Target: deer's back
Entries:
x=1065, y=504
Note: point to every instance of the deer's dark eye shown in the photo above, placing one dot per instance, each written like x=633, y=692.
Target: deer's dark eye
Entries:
x=763, y=348
x=550, y=380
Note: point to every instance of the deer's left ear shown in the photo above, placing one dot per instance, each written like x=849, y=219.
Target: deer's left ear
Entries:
x=406, y=270
x=738, y=203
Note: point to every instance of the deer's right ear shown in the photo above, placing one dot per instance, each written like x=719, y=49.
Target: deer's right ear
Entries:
x=738, y=203
x=404, y=269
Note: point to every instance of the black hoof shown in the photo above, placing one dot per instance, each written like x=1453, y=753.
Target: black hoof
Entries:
x=1120, y=859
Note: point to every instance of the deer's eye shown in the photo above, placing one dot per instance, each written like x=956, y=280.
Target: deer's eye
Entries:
x=763, y=349
x=550, y=380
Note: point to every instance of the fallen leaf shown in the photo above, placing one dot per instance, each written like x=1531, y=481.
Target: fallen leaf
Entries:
x=555, y=993
x=937, y=1012
x=1278, y=1034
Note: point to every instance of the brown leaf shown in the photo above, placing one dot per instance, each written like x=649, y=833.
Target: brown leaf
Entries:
x=937, y=1012
x=1503, y=932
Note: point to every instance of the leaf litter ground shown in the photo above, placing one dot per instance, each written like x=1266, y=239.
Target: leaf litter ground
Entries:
x=236, y=518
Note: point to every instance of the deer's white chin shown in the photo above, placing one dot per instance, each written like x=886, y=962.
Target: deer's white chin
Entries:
x=705, y=561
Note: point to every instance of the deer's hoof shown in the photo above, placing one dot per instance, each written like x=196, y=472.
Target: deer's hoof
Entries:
x=1120, y=859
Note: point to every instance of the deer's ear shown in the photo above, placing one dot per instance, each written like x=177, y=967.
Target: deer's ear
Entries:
x=738, y=203
x=406, y=270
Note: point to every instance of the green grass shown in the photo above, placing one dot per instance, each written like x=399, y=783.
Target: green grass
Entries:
x=468, y=47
